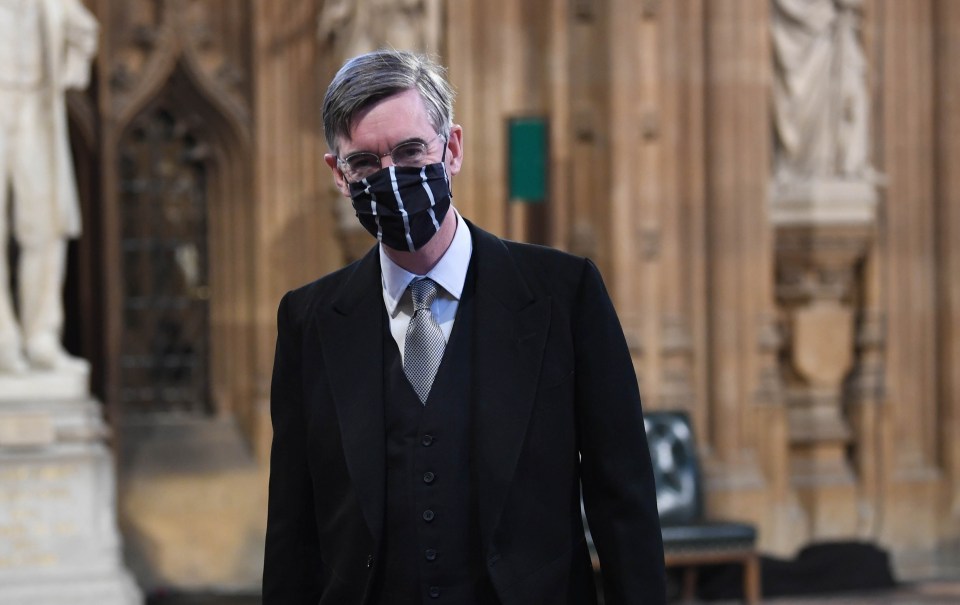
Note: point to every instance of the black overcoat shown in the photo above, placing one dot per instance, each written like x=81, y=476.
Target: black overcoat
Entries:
x=555, y=405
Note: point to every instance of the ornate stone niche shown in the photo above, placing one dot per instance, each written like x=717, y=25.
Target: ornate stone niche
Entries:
x=823, y=207
x=819, y=255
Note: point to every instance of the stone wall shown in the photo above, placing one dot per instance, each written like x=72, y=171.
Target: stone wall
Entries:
x=818, y=359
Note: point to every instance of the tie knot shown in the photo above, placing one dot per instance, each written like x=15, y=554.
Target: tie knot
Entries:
x=424, y=292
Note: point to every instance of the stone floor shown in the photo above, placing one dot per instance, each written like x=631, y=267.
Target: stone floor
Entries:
x=185, y=599
x=939, y=592
x=934, y=592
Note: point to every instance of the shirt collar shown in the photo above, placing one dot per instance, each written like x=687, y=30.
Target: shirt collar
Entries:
x=450, y=272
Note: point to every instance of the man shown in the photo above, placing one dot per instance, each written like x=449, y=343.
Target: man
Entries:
x=437, y=404
x=45, y=48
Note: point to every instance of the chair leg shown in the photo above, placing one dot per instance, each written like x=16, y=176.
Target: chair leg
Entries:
x=751, y=580
x=688, y=590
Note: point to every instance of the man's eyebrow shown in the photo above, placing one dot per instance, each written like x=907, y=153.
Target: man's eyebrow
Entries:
x=414, y=139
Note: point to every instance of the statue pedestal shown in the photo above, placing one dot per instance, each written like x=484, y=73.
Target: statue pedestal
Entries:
x=59, y=543
x=823, y=203
x=824, y=230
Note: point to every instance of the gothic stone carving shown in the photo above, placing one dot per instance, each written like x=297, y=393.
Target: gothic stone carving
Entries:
x=149, y=38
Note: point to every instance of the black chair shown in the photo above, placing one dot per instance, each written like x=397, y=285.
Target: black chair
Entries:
x=689, y=539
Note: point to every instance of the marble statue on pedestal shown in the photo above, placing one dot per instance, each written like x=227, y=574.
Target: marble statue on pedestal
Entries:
x=45, y=49
x=821, y=102
x=59, y=542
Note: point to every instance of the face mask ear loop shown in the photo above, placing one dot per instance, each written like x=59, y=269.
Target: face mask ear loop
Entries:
x=443, y=162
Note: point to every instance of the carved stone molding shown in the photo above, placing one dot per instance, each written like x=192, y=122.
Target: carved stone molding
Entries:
x=769, y=389
x=150, y=38
x=651, y=9
x=676, y=337
x=134, y=40
x=676, y=386
x=823, y=201
x=819, y=262
x=866, y=384
x=817, y=276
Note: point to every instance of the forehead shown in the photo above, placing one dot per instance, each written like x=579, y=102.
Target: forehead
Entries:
x=387, y=122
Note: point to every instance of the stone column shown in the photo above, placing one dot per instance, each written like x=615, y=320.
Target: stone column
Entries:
x=590, y=153
x=683, y=296
x=635, y=182
x=738, y=249
x=947, y=50
x=297, y=234
x=913, y=445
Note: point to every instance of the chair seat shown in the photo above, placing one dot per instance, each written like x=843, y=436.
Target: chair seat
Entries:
x=708, y=535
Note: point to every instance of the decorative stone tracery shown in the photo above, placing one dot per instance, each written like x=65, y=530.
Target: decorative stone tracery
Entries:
x=209, y=37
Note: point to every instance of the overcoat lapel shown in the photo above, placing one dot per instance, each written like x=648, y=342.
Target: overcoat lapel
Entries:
x=511, y=331
x=352, y=342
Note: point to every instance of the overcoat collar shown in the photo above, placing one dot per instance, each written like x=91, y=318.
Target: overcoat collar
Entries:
x=509, y=335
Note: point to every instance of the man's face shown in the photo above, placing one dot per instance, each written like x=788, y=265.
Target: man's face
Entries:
x=383, y=126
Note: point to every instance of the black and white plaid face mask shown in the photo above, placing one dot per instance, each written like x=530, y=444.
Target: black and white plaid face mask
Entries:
x=403, y=207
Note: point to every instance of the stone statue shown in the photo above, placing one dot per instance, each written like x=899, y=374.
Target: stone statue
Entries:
x=354, y=27
x=821, y=103
x=46, y=47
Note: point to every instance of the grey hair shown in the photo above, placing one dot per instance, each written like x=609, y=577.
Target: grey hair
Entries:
x=371, y=77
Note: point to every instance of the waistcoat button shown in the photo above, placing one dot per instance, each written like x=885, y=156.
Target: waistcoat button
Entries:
x=428, y=515
x=430, y=554
x=434, y=592
x=428, y=477
x=427, y=440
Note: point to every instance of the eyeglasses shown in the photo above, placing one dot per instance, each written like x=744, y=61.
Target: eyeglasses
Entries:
x=360, y=165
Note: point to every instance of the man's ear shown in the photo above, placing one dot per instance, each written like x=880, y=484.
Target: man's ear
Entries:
x=455, y=149
x=339, y=180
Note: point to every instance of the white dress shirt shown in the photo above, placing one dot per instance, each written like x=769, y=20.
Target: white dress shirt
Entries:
x=449, y=273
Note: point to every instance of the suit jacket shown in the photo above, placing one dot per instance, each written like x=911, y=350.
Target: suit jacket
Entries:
x=556, y=405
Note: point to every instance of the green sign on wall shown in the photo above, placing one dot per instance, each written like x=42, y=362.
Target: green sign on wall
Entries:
x=527, y=153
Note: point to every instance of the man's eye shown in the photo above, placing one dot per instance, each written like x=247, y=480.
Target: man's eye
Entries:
x=408, y=153
x=363, y=162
